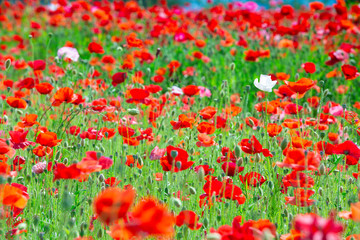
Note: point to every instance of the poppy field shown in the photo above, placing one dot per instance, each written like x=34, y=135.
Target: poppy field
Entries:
x=165, y=122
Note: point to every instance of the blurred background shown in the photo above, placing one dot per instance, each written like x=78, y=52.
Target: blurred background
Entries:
x=196, y=4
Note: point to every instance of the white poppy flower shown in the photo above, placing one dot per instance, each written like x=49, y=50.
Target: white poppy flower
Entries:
x=68, y=52
x=265, y=84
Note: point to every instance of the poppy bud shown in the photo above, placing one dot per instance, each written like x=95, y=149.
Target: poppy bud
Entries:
x=191, y=151
x=177, y=202
x=178, y=165
x=101, y=178
x=247, y=88
x=206, y=222
x=100, y=233
x=218, y=218
x=322, y=134
x=341, y=189
x=239, y=162
x=9, y=180
x=192, y=190
x=82, y=142
x=232, y=66
x=322, y=169
x=173, y=154
x=133, y=111
x=7, y=64
x=237, y=151
x=290, y=216
x=222, y=93
x=351, y=181
x=213, y=236
x=283, y=144
x=201, y=174
x=270, y=184
x=257, y=157
x=18, y=112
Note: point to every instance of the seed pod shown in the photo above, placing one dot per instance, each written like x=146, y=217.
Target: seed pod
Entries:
x=177, y=202
x=239, y=162
x=232, y=66
x=237, y=151
x=178, y=165
x=206, y=222
x=322, y=169
x=133, y=111
x=192, y=190
x=7, y=64
x=284, y=144
x=101, y=178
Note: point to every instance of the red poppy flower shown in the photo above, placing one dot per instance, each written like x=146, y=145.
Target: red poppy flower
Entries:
x=191, y=90
x=347, y=148
x=13, y=195
x=176, y=160
x=118, y=78
x=44, y=88
x=207, y=112
x=205, y=127
x=65, y=94
x=231, y=169
x=299, y=159
x=309, y=67
x=48, y=139
x=273, y=129
x=252, y=179
x=112, y=204
x=350, y=72
x=16, y=102
x=253, y=146
x=139, y=95
x=188, y=218
x=297, y=180
x=184, y=122
x=301, y=86
x=61, y=171
x=18, y=139
x=149, y=218
x=37, y=65
x=95, y=48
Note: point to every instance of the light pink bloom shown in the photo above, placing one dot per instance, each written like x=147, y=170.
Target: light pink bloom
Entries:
x=336, y=111
x=39, y=167
x=68, y=52
x=157, y=153
x=204, y=92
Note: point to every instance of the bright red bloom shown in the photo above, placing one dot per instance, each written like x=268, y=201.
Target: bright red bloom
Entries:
x=18, y=139
x=48, y=139
x=37, y=65
x=252, y=179
x=309, y=67
x=253, y=146
x=65, y=94
x=44, y=88
x=188, y=218
x=16, y=102
x=118, y=78
x=112, y=204
x=191, y=90
x=231, y=169
x=184, y=122
x=299, y=159
x=176, y=160
x=95, y=48
x=350, y=72
x=208, y=112
x=61, y=171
